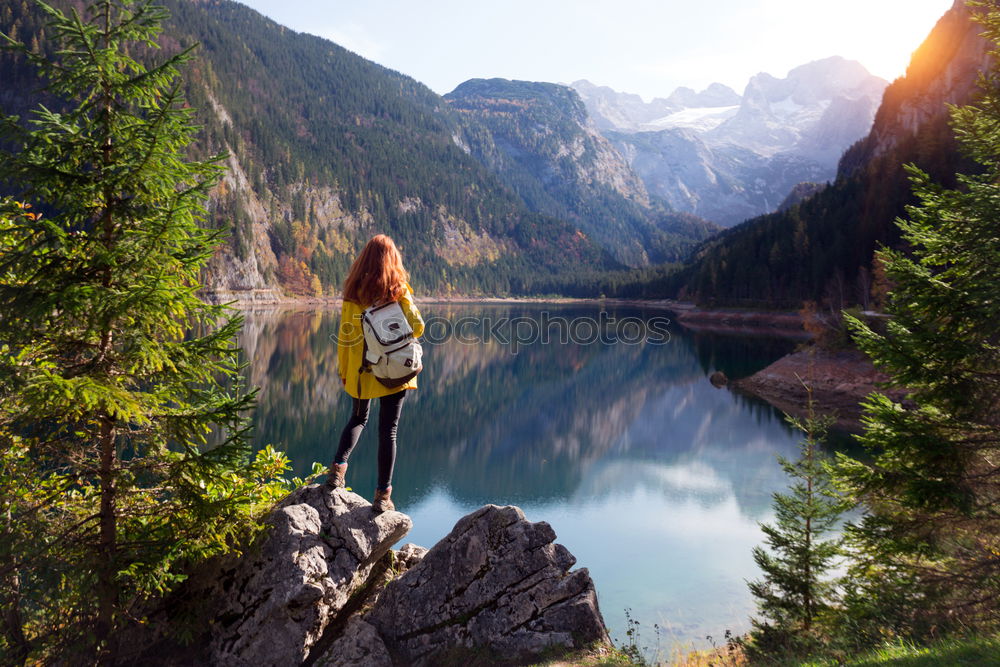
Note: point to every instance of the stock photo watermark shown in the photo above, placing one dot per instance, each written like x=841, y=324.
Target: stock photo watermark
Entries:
x=545, y=328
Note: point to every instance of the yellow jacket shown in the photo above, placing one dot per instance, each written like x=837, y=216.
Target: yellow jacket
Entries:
x=351, y=344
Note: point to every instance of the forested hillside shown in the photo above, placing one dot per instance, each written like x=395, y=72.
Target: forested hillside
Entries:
x=539, y=139
x=822, y=248
x=326, y=148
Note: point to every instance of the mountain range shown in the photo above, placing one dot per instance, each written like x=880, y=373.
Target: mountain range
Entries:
x=821, y=247
x=514, y=187
x=728, y=157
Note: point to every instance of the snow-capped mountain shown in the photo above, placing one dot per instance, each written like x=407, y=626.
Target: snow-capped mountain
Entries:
x=724, y=184
x=699, y=119
x=726, y=156
x=817, y=105
x=611, y=110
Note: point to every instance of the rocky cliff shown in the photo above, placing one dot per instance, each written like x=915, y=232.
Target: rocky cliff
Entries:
x=943, y=71
x=322, y=586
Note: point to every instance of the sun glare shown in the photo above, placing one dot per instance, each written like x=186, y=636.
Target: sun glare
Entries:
x=881, y=35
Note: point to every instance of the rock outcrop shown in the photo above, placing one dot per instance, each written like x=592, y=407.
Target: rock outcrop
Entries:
x=496, y=585
x=360, y=645
x=318, y=589
x=273, y=604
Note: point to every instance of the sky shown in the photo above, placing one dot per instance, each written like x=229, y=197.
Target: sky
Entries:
x=648, y=47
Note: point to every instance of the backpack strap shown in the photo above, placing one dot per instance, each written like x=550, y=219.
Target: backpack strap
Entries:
x=365, y=365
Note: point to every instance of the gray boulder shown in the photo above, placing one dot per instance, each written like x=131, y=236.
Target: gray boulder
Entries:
x=275, y=602
x=496, y=585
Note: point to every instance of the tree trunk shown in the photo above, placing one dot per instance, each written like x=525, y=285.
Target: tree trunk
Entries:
x=13, y=624
x=107, y=588
x=808, y=601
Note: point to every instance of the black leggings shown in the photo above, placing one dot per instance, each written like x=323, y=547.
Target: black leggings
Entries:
x=389, y=410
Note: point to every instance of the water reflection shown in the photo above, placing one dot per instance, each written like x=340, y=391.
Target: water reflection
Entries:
x=653, y=478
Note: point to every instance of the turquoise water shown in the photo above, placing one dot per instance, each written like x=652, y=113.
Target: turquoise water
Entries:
x=609, y=430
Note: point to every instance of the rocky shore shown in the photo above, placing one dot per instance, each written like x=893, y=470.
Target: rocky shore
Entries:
x=322, y=586
x=839, y=380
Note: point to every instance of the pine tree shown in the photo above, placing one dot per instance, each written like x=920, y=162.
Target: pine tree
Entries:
x=795, y=590
x=112, y=369
x=928, y=547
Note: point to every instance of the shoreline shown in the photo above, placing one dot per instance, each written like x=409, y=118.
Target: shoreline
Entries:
x=726, y=321
x=251, y=298
x=786, y=324
x=840, y=380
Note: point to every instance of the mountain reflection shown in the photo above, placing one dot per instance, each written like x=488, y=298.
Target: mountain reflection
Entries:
x=503, y=421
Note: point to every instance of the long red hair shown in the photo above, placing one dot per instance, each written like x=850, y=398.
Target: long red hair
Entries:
x=377, y=275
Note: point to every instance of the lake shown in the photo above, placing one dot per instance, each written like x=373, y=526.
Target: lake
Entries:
x=600, y=421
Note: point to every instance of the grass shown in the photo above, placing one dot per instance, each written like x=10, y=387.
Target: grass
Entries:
x=718, y=657
x=597, y=656
x=614, y=657
x=958, y=652
x=975, y=651
x=967, y=652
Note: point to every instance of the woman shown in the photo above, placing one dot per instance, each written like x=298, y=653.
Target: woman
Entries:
x=377, y=276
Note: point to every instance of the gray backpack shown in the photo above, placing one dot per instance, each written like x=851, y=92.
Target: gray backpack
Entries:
x=391, y=354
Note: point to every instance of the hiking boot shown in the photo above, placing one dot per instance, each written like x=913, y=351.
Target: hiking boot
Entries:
x=382, y=502
x=336, y=477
